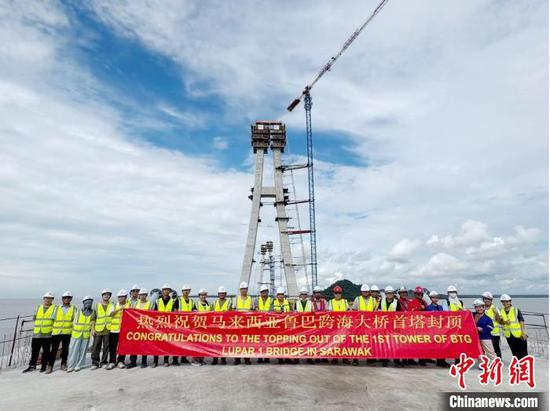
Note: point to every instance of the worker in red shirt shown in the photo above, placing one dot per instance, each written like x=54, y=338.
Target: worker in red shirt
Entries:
x=417, y=304
x=403, y=298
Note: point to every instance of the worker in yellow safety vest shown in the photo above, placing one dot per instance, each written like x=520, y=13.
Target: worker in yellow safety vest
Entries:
x=454, y=303
x=338, y=304
x=116, y=321
x=243, y=302
x=134, y=296
x=165, y=303
x=375, y=299
x=304, y=304
x=101, y=327
x=361, y=301
x=221, y=304
x=493, y=313
x=264, y=303
x=202, y=306
x=80, y=336
x=281, y=305
x=186, y=305
x=513, y=326
x=62, y=329
x=44, y=315
x=142, y=304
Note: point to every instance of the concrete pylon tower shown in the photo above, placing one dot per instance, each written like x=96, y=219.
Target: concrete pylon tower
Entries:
x=265, y=135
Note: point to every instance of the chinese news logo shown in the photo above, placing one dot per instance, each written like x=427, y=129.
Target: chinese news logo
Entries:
x=519, y=371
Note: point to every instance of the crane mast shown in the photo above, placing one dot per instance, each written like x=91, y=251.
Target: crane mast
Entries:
x=306, y=95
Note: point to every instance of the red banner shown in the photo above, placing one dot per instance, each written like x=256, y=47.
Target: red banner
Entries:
x=351, y=334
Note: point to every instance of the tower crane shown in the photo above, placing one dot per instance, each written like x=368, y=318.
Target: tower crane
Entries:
x=306, y=95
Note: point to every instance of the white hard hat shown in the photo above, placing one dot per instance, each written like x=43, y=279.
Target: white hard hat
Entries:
x=304, y=290
x=505, y=297
x=264, y=288
x=48, y=294
x=375, y=288
x=185, y=287
x=317, y=289
x=487, y=294
x=122, y=293
x=221, y=289
x=106, y=291
x=166, y=287
x=280, y=290
x=202, y=291
x=143, y=291
x=134, y=287
x=451, y=289
x=478, y=302
x=67, y=294
x=389, y=289
x=434, y=294
x=403, y=289
x=244, y=284
x=365, y=287
x=87, y=298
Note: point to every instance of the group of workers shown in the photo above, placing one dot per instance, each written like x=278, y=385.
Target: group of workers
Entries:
x=71, y=328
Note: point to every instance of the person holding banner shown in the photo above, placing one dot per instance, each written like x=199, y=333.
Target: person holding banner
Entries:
x=361, y=301
x=201, y=306
x=264, y=303
x=374, y=300
x=338, y=304
x=417, y=304
x=404, y=298
x=453, y=302
x=318, y=302
x=243, y=302
x=304, y=304
x=390, y=304
x=142, y=304
x=282, y=305
x=221, y=304
x=116, y=320
x=166, y=303
x=186, y=305
x=134, y=296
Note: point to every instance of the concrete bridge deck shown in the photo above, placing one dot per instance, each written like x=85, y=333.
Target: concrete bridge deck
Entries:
x=258, y=386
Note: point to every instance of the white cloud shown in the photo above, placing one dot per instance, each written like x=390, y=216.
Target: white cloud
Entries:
x=429, y=96
x=220, y=143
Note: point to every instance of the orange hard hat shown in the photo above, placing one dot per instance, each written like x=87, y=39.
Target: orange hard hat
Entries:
x=337, y=289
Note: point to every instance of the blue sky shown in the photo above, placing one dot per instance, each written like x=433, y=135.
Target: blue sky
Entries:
x=125, y=140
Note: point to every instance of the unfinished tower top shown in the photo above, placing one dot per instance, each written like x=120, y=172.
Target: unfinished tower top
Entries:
x=265, y=132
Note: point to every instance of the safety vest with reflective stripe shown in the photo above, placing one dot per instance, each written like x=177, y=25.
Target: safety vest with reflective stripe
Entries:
x=63, y=323
x=201, y=307
x=496, y=326
x=339, y=305
x=391, y=307
x=363, y=303
x=103, y=320
x=143, y=305
x=514, y=327
x=186, y=306
x=161, y=306
x=244, y=305
x=300, y=306
x=455, y=307
x=43, y=322
x=223, y=307
x=82, y=325
x=264, y=306
x=279, y=307
x=117, y=317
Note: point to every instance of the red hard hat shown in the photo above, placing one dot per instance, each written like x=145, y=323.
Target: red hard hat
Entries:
x=337, y=289
x=418, y=290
